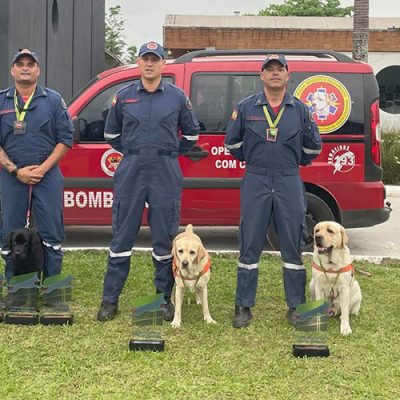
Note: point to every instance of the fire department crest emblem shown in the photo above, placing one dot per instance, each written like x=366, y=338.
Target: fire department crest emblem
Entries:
x=110, y=161
x=327, y=99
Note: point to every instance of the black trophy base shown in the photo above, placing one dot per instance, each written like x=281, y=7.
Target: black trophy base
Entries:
x=149, y=345
x=57, y=319
x=17, y=318
x=310, y=351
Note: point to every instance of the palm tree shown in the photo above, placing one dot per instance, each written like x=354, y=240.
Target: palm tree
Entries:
x=361, y=30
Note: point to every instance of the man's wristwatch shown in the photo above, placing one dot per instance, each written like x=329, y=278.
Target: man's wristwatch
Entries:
x=14, y=171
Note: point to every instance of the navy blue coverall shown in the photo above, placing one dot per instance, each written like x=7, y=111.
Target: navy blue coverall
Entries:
x=47, y=124
x=143, y=126
x=272, y=187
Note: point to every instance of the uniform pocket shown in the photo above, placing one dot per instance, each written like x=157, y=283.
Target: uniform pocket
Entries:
x=258, y=127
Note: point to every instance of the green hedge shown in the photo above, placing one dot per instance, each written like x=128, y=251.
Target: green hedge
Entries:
x=391, y=157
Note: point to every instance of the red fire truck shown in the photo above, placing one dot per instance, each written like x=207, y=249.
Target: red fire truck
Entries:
x=343, y=184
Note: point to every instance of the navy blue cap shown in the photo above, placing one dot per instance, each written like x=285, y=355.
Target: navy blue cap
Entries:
x=25, y=52
x=152, y=47
x=275, y=57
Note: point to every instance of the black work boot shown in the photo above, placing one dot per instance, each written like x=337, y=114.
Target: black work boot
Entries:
x=168, y=311
x=107, y=311
x=242, y=318
x=292, y=316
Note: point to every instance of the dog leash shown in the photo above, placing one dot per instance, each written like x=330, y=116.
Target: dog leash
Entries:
x=331, y=271
x=28, y=212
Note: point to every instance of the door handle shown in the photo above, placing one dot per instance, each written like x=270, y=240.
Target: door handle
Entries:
x=196, y=154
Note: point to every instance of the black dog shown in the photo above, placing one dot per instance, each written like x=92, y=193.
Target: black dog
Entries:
x=26, y=251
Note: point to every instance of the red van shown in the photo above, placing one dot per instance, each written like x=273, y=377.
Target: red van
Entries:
x=343, y=184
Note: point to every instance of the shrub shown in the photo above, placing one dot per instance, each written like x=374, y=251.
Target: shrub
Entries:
x=391, y=157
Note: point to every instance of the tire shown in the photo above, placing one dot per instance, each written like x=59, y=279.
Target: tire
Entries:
x=317, y=211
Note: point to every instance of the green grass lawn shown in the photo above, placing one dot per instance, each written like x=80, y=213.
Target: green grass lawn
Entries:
x=90, y=360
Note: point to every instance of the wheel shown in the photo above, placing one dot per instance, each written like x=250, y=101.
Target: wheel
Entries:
x=317, y=211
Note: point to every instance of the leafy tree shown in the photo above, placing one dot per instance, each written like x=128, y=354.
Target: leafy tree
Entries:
x=307, y=8
x=114, y=32
x=131, y=57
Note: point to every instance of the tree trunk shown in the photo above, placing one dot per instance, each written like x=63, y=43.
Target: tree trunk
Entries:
x=361, y=30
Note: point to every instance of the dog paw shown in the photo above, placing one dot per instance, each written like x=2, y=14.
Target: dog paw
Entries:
x=345, y=329
x=175, y=324
x=209, y=320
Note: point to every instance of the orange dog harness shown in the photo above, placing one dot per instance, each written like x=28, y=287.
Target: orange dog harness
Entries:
x=178, y=272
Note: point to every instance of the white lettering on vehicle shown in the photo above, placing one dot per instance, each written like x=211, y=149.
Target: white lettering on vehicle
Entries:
x=89, y=199
x=225, y=163
x=342, y=158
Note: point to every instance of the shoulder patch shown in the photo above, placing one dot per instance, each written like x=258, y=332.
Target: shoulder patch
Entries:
x=234, y=115
x=114, y=101
x=189, y=105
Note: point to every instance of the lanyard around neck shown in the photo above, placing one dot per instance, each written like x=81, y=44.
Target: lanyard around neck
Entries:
x=21, y=115
x=278, y=118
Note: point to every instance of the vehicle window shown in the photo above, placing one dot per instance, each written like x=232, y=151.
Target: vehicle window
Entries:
x=215, y=95
x=92, y=118
x=354, y=85
x=389, y=89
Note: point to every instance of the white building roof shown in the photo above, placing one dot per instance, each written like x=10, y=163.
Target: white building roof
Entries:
x=254, y=22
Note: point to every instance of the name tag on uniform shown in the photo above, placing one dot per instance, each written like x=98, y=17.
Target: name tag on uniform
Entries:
x=272, y=134
x=19, y=127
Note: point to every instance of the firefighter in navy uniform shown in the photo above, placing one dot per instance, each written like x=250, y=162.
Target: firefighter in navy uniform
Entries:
x=35, y=133
x=143, y=125
x=274, y=133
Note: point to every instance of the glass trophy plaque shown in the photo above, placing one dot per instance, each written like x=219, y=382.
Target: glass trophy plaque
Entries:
x=56, y=295
x=21, y=302
x=147, y=318
x=311, y=330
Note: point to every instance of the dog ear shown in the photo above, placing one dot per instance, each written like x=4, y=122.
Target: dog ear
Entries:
x=201, y=254
x=345, y=238
x=174, y=255
x=10, y=240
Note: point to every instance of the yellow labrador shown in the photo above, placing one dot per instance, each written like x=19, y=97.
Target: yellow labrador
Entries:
x=192, y=270
x=333, y=274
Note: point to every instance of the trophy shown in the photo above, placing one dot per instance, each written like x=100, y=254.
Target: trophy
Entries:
x=147, y=317
x=56, y=294
x=21, y=300
x=311, y=328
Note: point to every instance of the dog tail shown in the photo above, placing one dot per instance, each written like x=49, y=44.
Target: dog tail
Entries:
x=189, y=228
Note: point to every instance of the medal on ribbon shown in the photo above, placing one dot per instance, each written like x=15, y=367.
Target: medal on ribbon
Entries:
x=272, y=131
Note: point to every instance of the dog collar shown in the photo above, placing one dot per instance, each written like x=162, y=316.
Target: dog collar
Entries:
x=332, y=271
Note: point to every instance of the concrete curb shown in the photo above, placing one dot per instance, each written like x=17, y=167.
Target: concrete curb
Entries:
x=392, y=191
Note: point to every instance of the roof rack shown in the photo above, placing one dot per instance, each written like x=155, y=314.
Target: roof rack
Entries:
x=245, y=52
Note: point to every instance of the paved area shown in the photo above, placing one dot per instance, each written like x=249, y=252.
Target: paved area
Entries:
x=375, y=244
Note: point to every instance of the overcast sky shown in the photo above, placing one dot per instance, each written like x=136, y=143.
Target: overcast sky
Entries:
x=144, y=20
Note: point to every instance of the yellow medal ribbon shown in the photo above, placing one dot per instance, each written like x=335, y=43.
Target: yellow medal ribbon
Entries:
x=21, y=115
x=273, y=124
